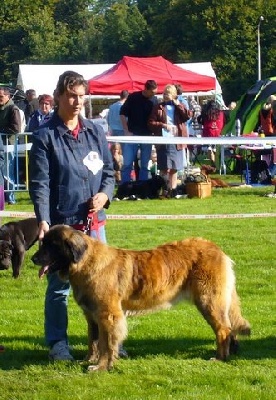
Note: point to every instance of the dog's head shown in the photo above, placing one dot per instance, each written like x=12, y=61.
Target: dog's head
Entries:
x=61, y=247
x=159, y=182
x=5, y=254
x=207, y=169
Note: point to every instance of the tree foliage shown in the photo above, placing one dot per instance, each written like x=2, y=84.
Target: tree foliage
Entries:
x=101, y=31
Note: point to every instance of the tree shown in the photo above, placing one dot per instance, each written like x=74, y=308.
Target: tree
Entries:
x=100, y=31
x=124, y=33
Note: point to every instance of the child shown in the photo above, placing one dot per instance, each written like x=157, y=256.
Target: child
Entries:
x=117, y=157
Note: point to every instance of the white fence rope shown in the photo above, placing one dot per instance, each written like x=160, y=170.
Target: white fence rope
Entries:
x=24, y=214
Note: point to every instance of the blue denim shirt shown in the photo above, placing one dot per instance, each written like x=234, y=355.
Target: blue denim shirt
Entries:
x=60, y=183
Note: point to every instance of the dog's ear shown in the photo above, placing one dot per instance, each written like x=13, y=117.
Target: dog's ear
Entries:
x=4, y=234
x=76, y=246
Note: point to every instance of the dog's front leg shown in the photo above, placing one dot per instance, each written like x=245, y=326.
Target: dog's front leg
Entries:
x=93, y=341
x=112, y=332
x=103, y=362
x=17, y=262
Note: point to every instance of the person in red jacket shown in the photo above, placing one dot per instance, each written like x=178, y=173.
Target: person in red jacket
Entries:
x=268, y=117
x=212, y=120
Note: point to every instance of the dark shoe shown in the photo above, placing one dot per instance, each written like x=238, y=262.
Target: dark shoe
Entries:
x=173, y=193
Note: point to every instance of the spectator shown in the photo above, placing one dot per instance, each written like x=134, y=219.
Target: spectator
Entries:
x=212, y=120
x=194, y=128
x=268, y=117
x=182, y=99
x=113, y=116
x=42, y=114
x=232, y=105
x=168, y=119
x=152, y=166
x=71, y=174
x=31, y=104
x=135, y=113
x=117, y=157
x=10, y=124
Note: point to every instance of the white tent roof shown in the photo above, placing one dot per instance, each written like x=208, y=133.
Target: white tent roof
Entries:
x=43, y=78
x=203, y=68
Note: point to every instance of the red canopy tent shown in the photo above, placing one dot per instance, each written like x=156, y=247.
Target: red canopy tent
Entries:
x=131, y=73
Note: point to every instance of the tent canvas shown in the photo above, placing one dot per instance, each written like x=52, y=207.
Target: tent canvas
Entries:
x=131, y=73
x=249, y=106
x=43, y=78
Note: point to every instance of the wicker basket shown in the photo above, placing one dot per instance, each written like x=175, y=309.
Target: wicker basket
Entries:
x=199, y=189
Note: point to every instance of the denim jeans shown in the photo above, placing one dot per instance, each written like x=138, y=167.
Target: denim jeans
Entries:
x=129, y=153
x=117, y=132
x=56, y=301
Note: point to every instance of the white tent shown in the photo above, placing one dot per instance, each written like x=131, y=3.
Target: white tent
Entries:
x=43, y=78
x=203, y=68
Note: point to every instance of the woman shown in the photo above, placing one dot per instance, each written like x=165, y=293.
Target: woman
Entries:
x=42, y=114
x=71, y=175
x=168, y=119
x=212, y=120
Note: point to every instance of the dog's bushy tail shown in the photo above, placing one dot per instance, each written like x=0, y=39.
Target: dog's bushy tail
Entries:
x=238, y=323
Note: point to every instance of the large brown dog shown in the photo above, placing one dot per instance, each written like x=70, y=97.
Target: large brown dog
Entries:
x=107, y=282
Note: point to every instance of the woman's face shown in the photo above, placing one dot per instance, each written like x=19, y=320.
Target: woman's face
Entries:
x=167, y=96
x=45, y=107
x=71, y=102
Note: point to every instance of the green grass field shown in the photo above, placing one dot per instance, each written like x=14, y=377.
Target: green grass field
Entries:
x=169, y=350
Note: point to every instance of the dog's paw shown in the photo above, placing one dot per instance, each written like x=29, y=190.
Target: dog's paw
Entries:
x=93, y=368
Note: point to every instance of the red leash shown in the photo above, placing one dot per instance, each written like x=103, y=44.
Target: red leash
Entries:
x=92, y=224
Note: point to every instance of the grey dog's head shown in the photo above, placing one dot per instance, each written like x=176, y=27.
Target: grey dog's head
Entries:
x=5, y=254
x=60, y=247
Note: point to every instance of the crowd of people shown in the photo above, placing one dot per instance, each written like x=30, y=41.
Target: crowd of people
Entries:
x=131, y=115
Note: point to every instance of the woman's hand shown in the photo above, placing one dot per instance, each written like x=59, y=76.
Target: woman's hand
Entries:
x=97, y=202
x=43, y=227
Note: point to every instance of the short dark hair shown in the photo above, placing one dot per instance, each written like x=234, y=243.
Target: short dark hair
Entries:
x=67, y=81
x=6, y=90
x=179, y=88
x=124, y=94
x=150, y=85
x=30, y=91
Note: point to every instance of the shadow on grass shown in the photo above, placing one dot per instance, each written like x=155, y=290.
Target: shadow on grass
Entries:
x=181, y=349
